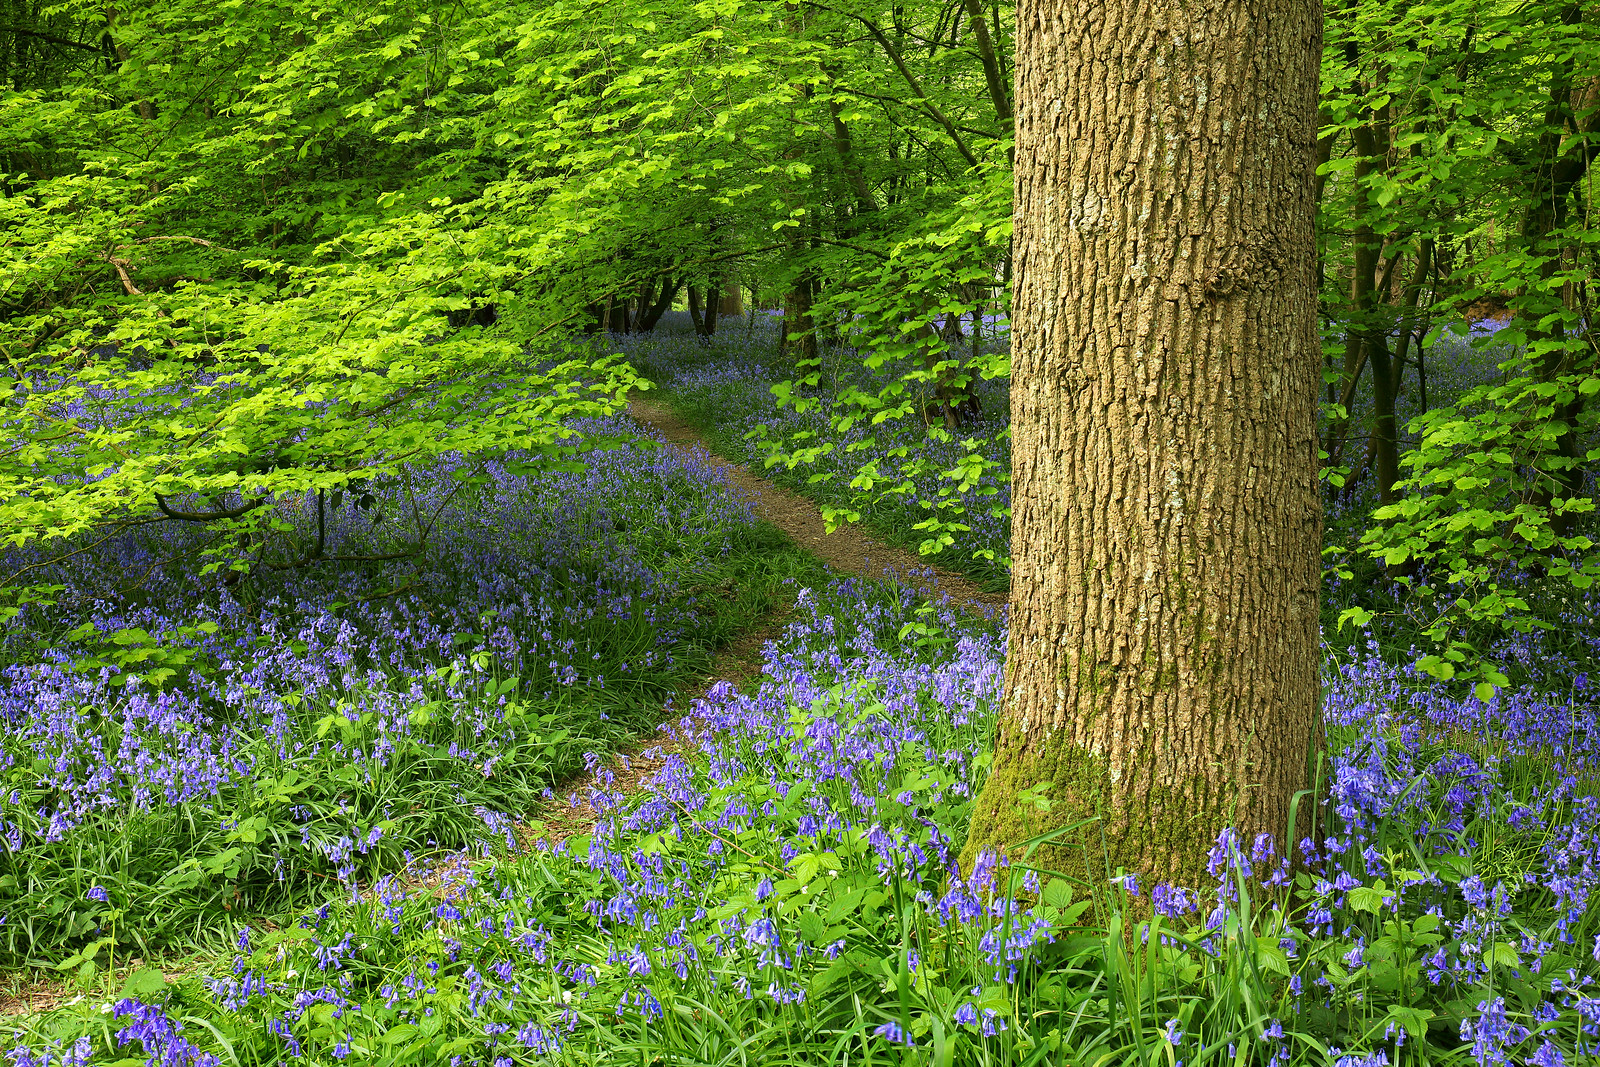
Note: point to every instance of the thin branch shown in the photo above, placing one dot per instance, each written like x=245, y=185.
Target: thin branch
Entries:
x=116, y=529
x=179, y=237
x=50, y=38
x=206, y=516
x=406, y=587
x=990, y=134
x=911, y=79
x=854, y=248
x=122, y=272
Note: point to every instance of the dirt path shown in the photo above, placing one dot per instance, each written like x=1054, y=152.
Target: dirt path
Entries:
x=848, y=548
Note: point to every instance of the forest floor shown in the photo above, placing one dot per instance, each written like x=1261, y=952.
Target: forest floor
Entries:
x=847, y=549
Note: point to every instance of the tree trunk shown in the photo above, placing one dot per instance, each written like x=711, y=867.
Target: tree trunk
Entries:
x=844, y=146
x=1367, y=296
x=797, y=320
x=1557, y=169
x=642, y=301
x=1163, y=664
x=652, y=315
x=1411, y=330
x=992, y=77
x=695, y=315
x=713, y=303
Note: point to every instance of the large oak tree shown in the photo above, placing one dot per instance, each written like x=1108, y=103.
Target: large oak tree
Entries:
x=1163, y=630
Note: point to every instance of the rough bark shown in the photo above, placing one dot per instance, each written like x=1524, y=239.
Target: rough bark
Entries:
x=1167, y=528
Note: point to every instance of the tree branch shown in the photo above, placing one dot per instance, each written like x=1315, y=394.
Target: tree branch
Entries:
x=911, y=80
x=50, y=38
x=990, y=134
x=206, y=516
x=991, y=66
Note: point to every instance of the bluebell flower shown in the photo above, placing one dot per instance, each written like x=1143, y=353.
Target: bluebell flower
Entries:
x=895, y=1034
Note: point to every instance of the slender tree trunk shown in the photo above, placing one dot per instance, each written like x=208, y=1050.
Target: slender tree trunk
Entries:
x=992, y=78
x=1365, y=341
x=797, y=321
x=1557, y=169
x=695, y=315
x=1384, y=441
x=1162, y=672
x=844, y=147
x=147, y=110
x=1355, y=361
x=1372, y=143
x=652, y=314
x=713, y=304
x=1411, y=301
x=639, y=303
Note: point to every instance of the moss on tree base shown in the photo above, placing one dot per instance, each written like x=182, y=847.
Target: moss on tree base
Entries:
x=1099, y=824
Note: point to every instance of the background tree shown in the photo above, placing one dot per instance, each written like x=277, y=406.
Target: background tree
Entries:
x=1163, y=656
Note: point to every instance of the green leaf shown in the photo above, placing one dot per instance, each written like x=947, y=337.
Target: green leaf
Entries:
x=144, y=983
x=1504, y=954
x=1413, y=1020
x=1368, y=898
x=399, y=1034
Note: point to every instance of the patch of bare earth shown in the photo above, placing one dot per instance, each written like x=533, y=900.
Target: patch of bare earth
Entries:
x=571, y=813
x=34, y=996
x=42, y=991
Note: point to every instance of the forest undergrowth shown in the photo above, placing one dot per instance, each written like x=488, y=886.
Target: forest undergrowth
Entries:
x=181, y=749
x=296, y=799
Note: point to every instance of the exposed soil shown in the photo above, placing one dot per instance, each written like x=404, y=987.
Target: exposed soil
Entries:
x=34, y=996
x=1492, y=307
x=847, y=549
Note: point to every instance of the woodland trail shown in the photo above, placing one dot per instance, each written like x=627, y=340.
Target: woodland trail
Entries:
x=848, y=549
